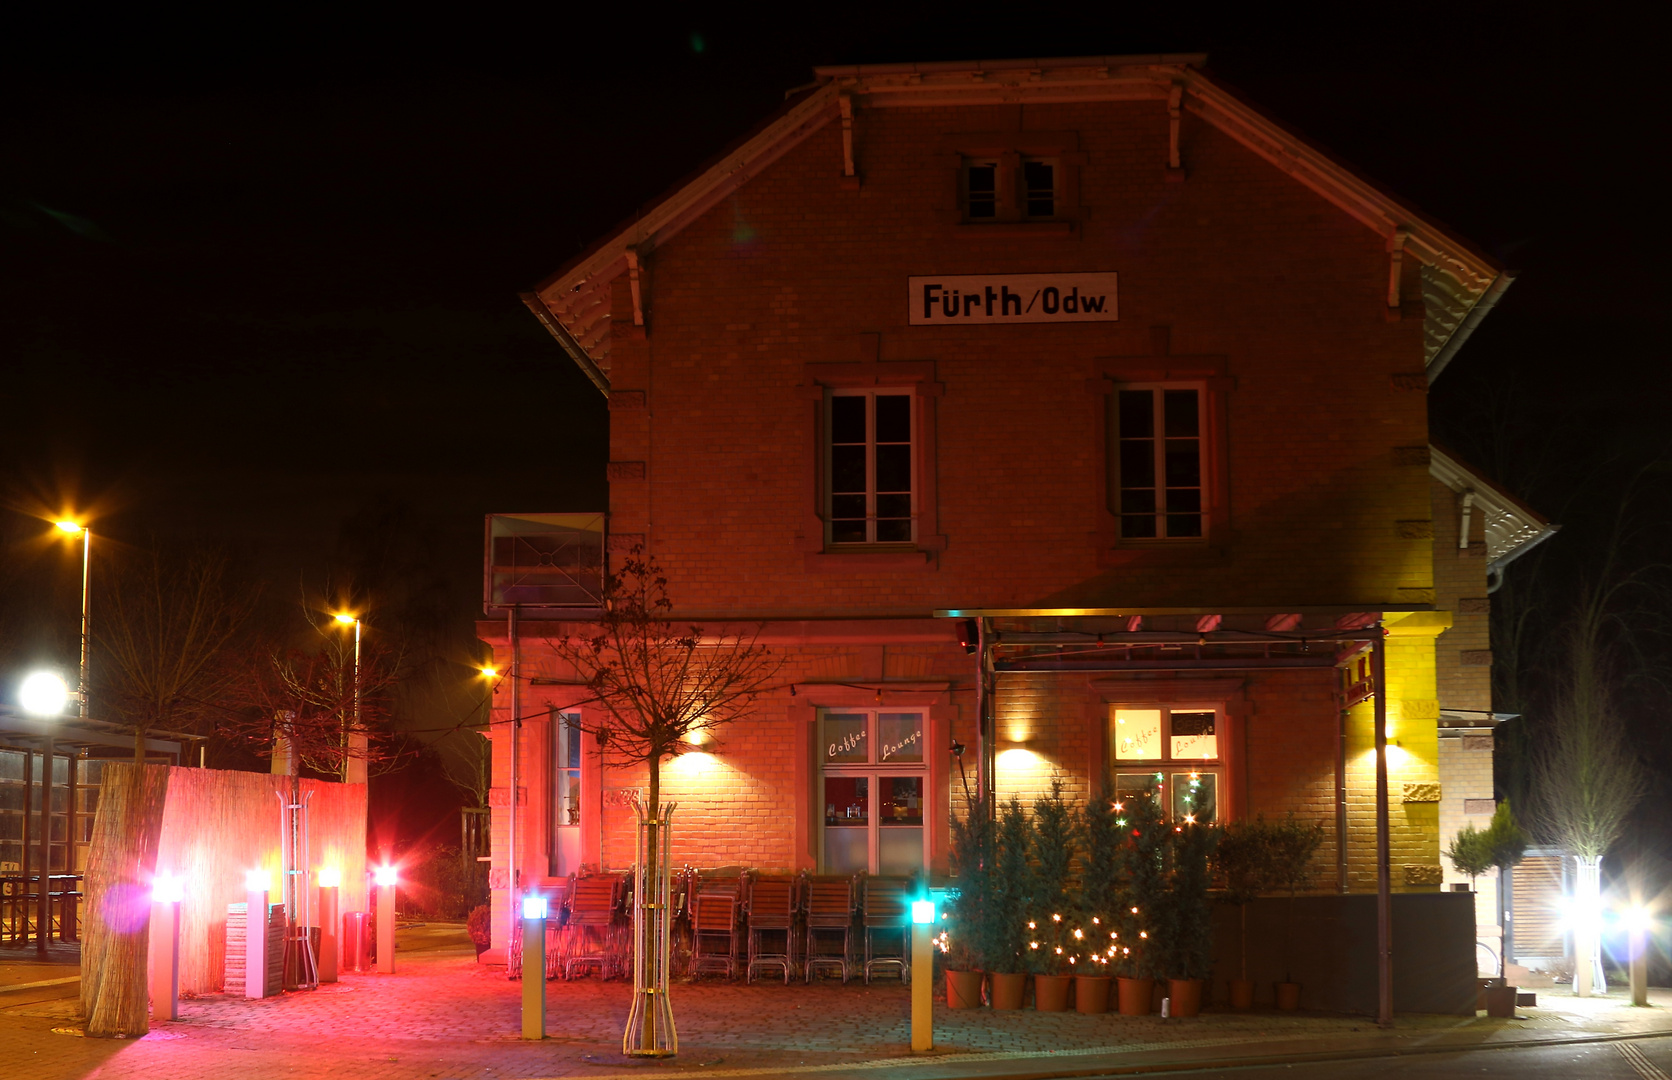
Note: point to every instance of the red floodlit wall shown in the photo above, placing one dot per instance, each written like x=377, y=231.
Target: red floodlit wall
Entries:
x=218, y=824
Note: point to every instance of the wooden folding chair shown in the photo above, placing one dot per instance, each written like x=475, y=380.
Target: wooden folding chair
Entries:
x=884, y=912
x=714, y=924
x=771, y=910
x=829, y=914
x=591, y=929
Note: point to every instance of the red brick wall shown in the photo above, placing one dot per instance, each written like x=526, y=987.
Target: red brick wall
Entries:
x=1240, y=261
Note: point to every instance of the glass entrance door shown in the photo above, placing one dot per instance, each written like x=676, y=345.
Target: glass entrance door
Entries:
x=566, y=793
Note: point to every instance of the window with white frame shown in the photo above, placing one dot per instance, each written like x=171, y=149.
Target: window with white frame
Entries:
x=873, y=787
x=566, y=792
x=869, y=467
x=1173, y=752
x=1158, y=470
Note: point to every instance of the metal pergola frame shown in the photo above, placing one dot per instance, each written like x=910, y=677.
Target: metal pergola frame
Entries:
x=1108, y=649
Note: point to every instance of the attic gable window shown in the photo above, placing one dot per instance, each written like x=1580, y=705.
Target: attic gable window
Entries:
x=1039, y=188
x=981, y=190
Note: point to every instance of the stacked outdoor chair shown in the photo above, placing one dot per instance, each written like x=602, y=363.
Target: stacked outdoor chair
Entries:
x=771, y=909
x=828, y=906
x=594, y=935
x=715, y=921
x=883, y=910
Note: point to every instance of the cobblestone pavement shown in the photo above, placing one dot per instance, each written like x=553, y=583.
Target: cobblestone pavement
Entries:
x=443, y=1016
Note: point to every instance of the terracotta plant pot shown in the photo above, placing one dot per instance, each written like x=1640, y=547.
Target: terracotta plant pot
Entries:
x=1091, y=993
x=1050, y=992
x=963, y=989
x=1186, y=995
x=1135, y=996
x=1288, y=996
x=1007, y=990
x=1242, y=993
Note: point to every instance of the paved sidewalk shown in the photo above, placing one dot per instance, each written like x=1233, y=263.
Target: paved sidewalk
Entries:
x=443, y=1016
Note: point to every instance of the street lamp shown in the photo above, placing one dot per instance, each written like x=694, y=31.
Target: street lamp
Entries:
x=354, y=768
x=72, y=527
x=43, y=694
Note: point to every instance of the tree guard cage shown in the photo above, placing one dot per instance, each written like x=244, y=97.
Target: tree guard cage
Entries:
x=650, y=1028
x=301, y=964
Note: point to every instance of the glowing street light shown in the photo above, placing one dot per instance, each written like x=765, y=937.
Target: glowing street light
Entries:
x=71, y=527
x=43, y=694
x=167, y=892
x=386, y=878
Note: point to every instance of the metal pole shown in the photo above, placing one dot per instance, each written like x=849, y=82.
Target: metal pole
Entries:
x=989, y=736
x=28, y=819
x=43, y=917
x=86, y=566
x=1384, y=884
x=511, y=897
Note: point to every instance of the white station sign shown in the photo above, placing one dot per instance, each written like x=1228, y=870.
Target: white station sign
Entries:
x=1012, y=298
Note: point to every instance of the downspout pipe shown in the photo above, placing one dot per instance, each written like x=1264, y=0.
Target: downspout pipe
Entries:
x=1489, y=299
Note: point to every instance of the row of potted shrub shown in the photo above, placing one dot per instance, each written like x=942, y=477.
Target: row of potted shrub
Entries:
x=1135, y=915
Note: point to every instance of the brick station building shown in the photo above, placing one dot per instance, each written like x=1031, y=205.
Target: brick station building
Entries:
x=1070, y=412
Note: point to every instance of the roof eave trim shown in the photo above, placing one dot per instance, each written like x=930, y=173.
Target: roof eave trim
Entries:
x=566, y=341
x=1477, y=313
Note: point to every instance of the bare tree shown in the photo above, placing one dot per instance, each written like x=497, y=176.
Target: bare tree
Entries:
x=166, y=634
x=314, y=703
x=658, y=685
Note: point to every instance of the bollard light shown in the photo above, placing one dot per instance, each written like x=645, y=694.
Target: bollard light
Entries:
x=167, y=889
x=330, y=961
x=923, y=976
x=386, y=879
x=163, y=975
x=534, y=967
x=255, y=933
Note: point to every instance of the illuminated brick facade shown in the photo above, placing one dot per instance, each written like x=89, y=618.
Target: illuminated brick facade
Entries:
x=726, y=320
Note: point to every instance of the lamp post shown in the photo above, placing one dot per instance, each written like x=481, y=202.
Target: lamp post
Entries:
x=76, y=528
x=354, y=765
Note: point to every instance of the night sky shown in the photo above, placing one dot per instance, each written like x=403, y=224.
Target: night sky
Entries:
x=260, y=278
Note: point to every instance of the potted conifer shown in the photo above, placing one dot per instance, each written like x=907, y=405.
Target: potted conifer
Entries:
x=1292, y=845
x=1189, y=921
x=1006, y=942
x=1145, y=889
x=1050, y=945
x=1246, y=866
x=1100, y=898
x=970, y=905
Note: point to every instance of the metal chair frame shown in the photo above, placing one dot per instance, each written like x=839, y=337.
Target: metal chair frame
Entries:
x=829, y=908
x=714, y=915
x=884, y=911
x=771, y=909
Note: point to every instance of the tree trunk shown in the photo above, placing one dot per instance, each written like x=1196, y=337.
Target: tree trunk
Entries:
x=122, y=861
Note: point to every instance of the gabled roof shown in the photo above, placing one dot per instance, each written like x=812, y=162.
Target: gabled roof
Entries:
x=1512, y=527
x=1459, y=284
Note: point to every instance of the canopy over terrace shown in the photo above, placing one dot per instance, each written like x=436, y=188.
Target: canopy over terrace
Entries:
x=1136, y=640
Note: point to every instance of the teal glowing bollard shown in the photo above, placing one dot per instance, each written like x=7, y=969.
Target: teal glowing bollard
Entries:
x=923, y=975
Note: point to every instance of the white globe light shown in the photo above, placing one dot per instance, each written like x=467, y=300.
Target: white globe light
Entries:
x=43, y=694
